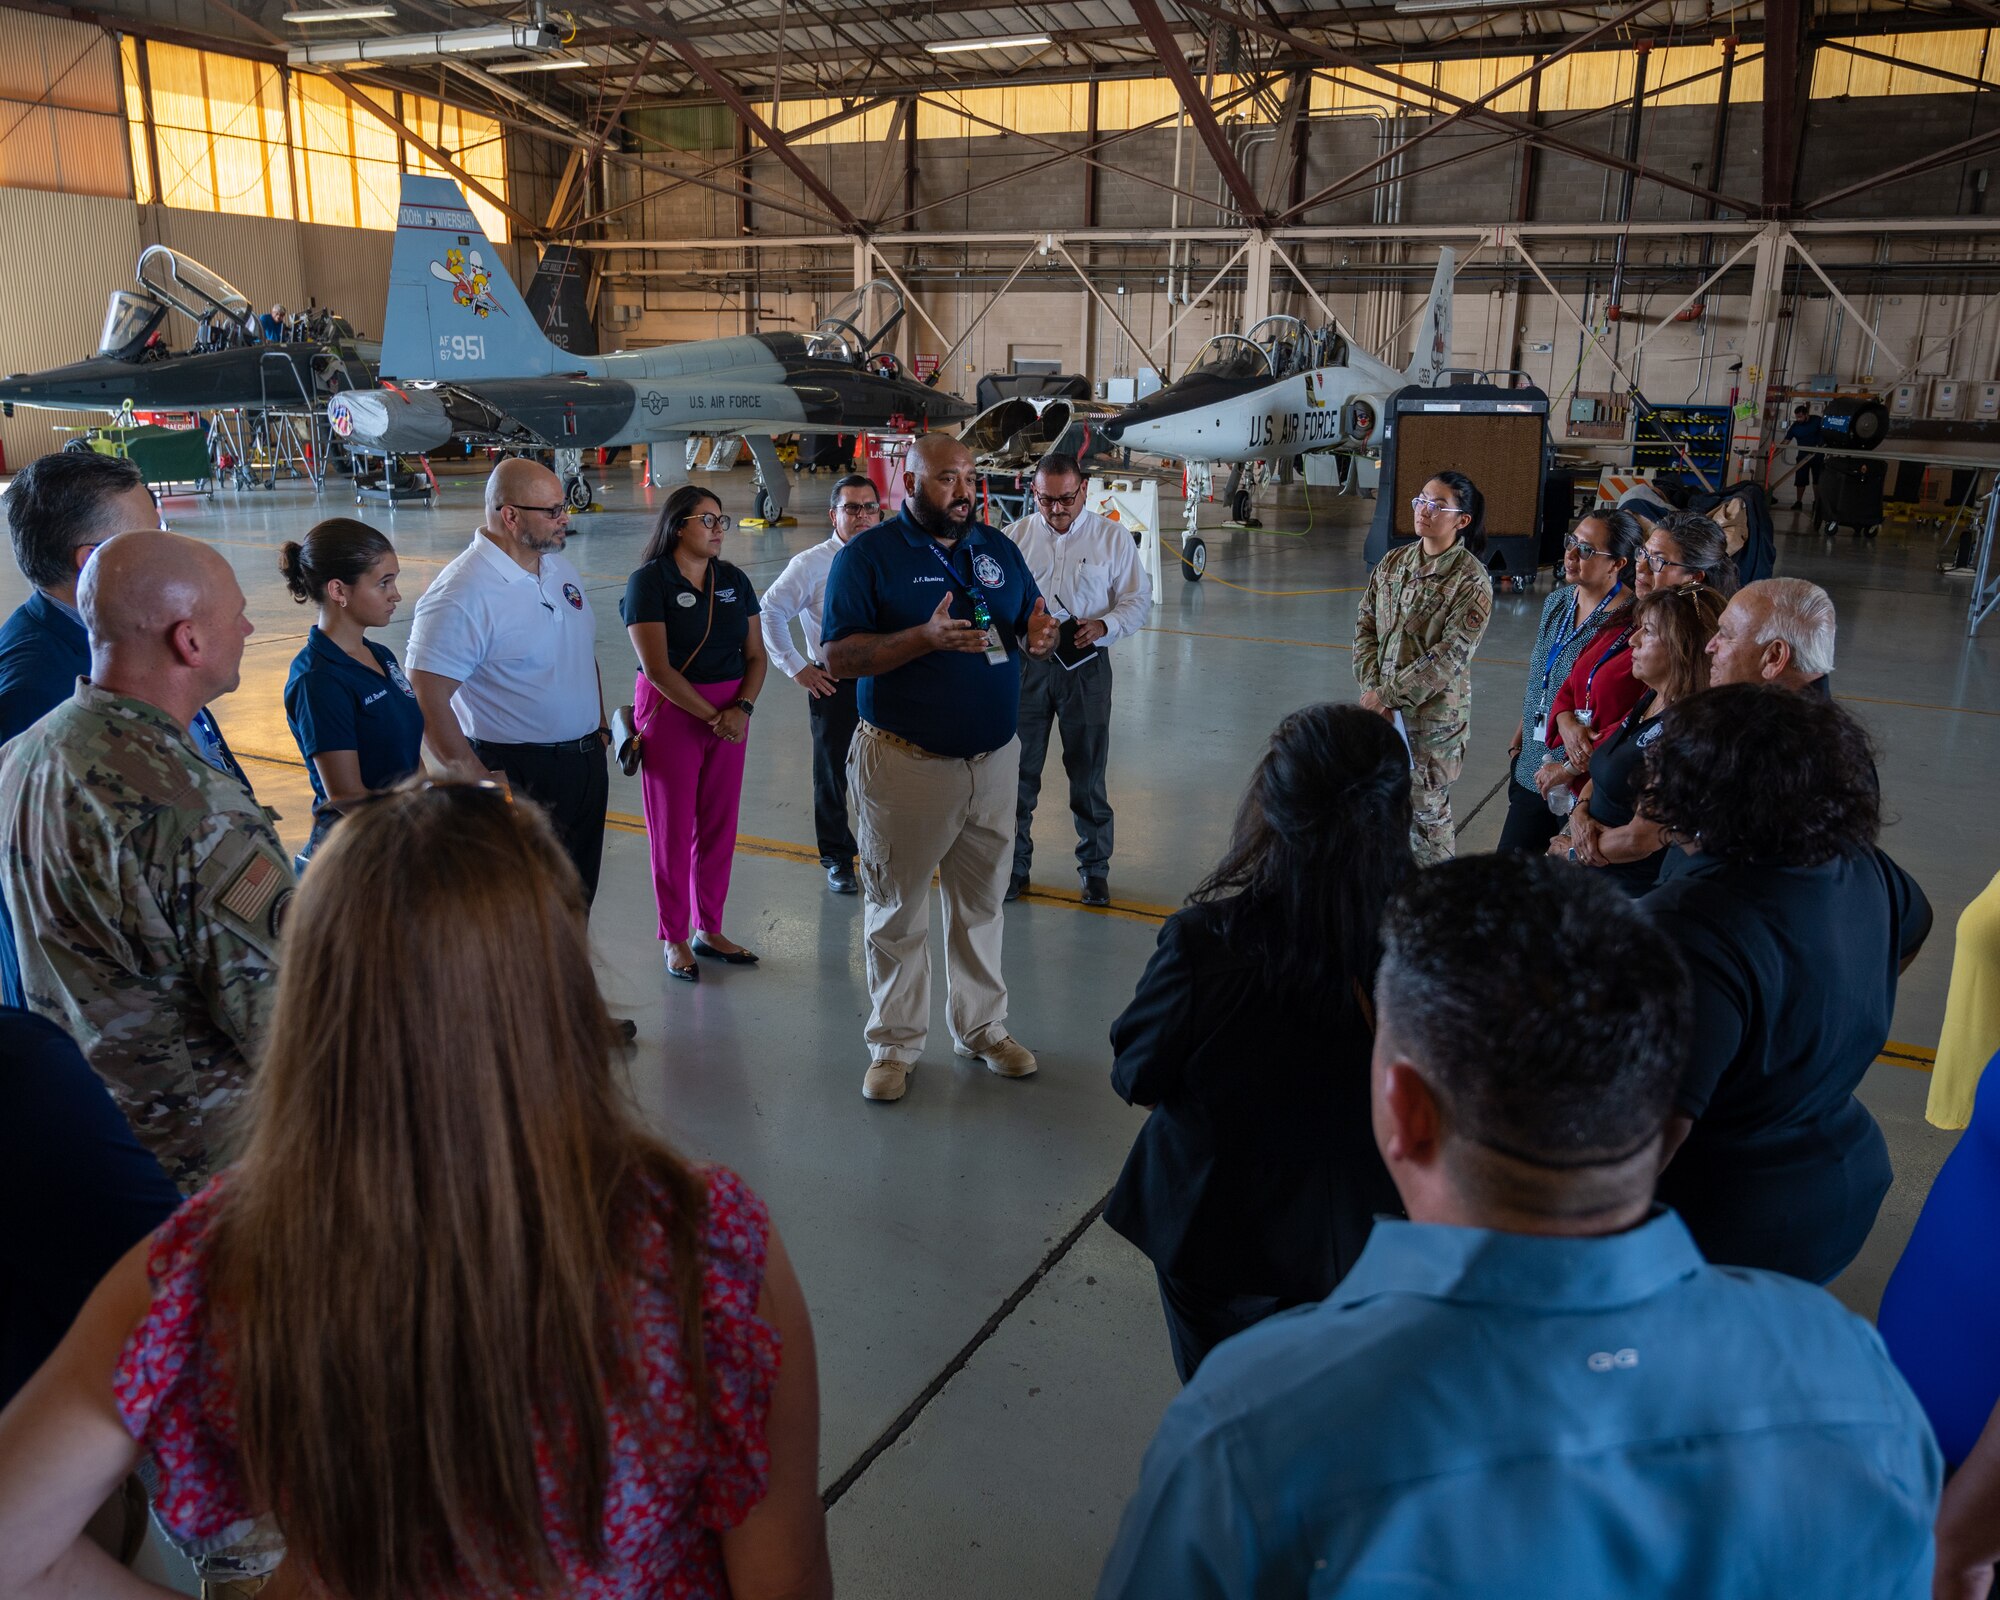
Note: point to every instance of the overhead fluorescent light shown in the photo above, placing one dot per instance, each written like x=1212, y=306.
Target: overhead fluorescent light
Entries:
x=1418, y=8
x=554, y=64
x=342, y=14
x=1017, y=42
x=501, y=39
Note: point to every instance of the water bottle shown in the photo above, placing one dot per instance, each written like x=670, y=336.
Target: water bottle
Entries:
x=1561, y=797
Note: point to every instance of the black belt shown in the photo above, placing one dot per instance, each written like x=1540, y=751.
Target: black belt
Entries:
x=589, y=744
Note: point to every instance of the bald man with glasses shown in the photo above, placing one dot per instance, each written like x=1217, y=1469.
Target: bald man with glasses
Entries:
x=503, y=657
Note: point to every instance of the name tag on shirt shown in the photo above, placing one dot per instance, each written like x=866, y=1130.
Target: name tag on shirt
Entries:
x=996, y=652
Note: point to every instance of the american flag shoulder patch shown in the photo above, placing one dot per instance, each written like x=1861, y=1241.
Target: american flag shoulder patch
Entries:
x=254, y=888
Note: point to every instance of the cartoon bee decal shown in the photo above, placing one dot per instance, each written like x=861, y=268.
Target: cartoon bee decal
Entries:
x=466, y=272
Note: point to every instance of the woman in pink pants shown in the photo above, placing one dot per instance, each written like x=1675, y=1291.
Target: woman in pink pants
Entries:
x=691, y=616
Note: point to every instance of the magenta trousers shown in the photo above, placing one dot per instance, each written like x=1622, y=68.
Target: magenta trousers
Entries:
x=690, y=782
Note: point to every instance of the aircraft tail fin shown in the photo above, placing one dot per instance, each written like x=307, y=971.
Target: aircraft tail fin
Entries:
x=1430, y=355
x=454, y=311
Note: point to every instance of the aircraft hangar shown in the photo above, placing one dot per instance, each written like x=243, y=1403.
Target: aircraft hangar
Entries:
x=1657, y=235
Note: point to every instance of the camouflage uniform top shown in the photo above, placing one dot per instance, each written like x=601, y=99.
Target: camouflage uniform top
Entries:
x=1417, y=628
x=145, y=888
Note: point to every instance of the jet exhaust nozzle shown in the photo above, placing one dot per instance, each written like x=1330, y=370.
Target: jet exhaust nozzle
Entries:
x=391, y=422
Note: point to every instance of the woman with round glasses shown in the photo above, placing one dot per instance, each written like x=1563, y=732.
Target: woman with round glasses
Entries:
x=690, y=616
x=1686, y=547
x=1421, y=619
x=1588, y=608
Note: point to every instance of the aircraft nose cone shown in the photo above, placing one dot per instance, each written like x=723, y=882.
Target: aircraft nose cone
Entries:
x=358, y=416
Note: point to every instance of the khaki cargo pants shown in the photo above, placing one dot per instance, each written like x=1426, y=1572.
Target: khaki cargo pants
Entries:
x=917, y=815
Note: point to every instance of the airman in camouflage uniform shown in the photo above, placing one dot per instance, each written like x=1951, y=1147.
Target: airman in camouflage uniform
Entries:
x=146, y=889
x=1414, y=637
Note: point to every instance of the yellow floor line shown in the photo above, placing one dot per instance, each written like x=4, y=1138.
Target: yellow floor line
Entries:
x=1915, y=1056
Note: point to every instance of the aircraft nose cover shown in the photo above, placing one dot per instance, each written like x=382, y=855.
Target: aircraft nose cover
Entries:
x=394, y=422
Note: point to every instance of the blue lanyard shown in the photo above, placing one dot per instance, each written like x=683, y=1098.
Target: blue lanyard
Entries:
x=1624, y=643
x=1565, y=639
x=982, y=614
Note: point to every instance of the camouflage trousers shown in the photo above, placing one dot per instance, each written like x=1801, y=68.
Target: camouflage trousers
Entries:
x=1437, y=756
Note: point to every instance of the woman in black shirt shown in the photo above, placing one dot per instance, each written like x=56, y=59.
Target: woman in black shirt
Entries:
x=1254, y=1183
x=701, y=663
x=1670, y=633
x=1795, y=928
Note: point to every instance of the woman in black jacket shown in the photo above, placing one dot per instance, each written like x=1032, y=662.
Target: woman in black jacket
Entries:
x=1253, y=1185
x=1795, y=927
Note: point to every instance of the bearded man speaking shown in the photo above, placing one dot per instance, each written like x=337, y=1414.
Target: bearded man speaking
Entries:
x=932, y=612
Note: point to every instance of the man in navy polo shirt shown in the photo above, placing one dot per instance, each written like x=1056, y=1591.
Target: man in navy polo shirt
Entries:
x=931, y=612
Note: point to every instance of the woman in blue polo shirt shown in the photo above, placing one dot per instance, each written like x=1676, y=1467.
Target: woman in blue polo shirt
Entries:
x=353, y=713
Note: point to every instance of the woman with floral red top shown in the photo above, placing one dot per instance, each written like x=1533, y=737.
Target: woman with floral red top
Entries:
x=455, y=1320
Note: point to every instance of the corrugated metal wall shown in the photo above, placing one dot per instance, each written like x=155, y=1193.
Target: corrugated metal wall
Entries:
x=62, y=123
x=61, y=256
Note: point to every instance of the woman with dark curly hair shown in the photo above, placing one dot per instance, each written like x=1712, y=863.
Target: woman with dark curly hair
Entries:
x=1254, y=1183
x=1795, y=928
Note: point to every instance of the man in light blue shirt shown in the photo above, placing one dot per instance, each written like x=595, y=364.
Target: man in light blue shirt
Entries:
x=1535, y=1387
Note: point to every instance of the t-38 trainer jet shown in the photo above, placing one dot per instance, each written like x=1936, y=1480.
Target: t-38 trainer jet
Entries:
x=1281, y=390
x=462, y=359
x=231, y=366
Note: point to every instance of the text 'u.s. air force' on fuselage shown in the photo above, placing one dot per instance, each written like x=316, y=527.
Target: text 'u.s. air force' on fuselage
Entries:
x=462, y=360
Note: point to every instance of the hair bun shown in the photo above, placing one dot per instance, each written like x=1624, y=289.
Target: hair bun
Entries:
x=292, y=564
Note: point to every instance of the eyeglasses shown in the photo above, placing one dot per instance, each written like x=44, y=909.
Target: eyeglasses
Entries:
x=1057, y=502
x=857, y=508
x=1583, y=547
x=553, y=513
x=1424, y=502
x=1654, y=561
x=714, y=521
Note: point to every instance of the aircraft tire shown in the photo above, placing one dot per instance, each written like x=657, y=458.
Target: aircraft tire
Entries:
x=576, y=493
x=1194, y=559
x=1242, y=507
x=763, y=510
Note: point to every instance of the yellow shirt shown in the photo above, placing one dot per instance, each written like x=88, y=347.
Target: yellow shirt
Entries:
x=1971, y=1013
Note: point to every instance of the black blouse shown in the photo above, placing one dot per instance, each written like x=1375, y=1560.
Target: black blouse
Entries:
x=1257, y=1172
x=660, y=592
x=1615, y=769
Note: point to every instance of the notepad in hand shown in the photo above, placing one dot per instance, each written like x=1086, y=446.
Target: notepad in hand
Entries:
x=1069, y=654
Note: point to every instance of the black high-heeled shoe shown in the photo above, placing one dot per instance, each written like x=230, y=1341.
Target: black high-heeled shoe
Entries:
x=735, y=958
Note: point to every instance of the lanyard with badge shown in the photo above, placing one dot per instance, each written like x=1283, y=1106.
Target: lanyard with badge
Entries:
x=1563, y=639
x=982, y=614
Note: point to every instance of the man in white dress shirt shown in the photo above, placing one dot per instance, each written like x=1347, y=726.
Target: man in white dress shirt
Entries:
x=801, y=592
x=1088, y=570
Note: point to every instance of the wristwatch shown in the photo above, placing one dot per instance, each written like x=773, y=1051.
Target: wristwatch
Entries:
x=747, y=707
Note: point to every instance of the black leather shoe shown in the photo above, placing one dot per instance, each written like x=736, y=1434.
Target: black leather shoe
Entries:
x=840, y=878
x=735, y=958
x=628, y=1030
x=1017, y=885
x=1096, y=892
x=687, y=974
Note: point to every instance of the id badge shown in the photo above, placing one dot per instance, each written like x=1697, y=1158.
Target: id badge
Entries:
x=996, y=651
x=1541, y=735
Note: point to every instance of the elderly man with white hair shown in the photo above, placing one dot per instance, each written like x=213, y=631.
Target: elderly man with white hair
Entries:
x=1779, y=631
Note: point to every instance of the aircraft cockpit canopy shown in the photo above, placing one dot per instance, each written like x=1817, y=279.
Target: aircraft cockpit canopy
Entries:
x=853, y=328
x=130, y=321
x=1289, y=341
x=1230, y=355
x=210, y=301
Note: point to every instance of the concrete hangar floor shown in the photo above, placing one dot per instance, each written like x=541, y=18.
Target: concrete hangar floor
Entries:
x=992, y=1357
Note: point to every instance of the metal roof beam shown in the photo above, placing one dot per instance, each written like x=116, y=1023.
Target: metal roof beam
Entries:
x=1201, y=113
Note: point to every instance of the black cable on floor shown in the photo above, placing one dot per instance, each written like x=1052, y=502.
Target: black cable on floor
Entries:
x=956, y=1365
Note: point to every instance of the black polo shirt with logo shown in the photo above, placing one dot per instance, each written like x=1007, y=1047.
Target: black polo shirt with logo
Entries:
x=660, y=592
